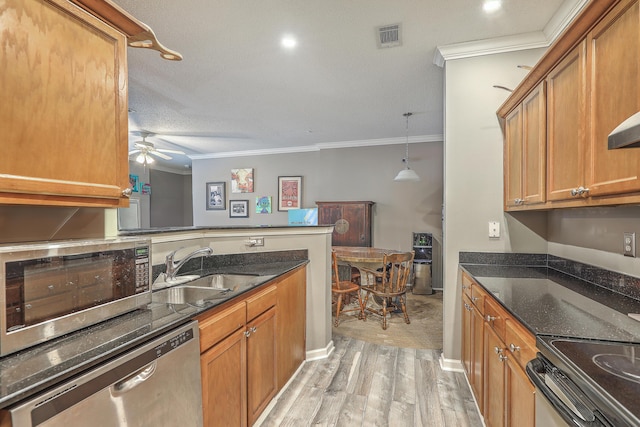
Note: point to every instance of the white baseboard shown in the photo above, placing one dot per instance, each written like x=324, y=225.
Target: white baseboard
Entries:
x=321, y=353
x=453, y=365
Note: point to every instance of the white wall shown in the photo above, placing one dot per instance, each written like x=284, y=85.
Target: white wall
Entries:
x=473, y=168
x=364, y=173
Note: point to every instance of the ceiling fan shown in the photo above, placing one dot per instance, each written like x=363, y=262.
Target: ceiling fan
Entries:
x=147, y=149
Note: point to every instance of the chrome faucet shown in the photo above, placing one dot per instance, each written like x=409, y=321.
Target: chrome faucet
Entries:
x=174, y=266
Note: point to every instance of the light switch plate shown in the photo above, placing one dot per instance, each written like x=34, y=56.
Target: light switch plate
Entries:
x=494, y=229
x=629, y=244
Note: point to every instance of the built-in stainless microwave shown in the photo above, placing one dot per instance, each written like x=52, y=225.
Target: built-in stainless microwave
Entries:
x=50, y=289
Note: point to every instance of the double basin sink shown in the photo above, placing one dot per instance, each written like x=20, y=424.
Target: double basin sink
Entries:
x=195, y=290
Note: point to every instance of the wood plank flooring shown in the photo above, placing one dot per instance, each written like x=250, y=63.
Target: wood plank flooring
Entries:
x=365, y=384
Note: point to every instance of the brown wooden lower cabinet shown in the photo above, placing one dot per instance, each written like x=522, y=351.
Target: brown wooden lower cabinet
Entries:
x=247, y=350
x=495, y=350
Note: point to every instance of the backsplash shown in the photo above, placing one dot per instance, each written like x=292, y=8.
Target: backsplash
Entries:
x=617, y=282
x=216, y=262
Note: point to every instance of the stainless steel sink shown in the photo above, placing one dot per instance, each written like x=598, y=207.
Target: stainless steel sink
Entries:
x=232, y=282
x=188, y=295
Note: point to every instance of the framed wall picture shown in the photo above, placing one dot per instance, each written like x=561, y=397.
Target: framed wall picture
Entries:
x=289, y=192
x=263, y=204
x=238, y=208
x=134, y=183
x=216, y=196
x=242, y=180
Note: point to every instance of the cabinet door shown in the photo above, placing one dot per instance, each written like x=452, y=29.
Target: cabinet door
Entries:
x=358, y=233
x=64, y=109
x=494, y=379
x=613, y=55
x=477, y=355
x=520, y=398
x=534, y=146
x=566, y=103
x=513, y=159
x=467, y=340
x=224, y=382
x=261, y=363
x=291, y=324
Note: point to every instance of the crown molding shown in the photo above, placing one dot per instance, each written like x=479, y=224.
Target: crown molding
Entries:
x=539, y=39
x=320, y=146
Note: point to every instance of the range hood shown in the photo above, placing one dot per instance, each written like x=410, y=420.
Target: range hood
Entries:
x=627, y=134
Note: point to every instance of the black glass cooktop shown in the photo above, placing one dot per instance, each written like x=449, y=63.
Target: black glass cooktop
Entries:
x=614, y=367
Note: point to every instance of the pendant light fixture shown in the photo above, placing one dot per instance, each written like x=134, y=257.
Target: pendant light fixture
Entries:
x=407, y=174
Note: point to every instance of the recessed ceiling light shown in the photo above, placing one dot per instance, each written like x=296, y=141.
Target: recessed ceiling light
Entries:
x=491, y=6
x=288, y=42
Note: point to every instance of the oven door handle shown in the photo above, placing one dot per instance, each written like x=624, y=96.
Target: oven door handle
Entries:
x=536, y=371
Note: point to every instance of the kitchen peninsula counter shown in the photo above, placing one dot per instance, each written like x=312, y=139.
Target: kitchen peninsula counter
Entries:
x=32, y=370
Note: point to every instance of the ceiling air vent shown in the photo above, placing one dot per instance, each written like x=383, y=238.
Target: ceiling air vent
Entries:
x=389, y=35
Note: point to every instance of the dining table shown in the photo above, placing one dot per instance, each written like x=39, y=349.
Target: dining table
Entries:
x=362, y=257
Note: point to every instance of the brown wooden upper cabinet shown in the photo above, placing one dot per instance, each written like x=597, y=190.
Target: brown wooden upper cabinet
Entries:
x=525, y=148
x=592, y=76
x=64, y=110
x=351, y=220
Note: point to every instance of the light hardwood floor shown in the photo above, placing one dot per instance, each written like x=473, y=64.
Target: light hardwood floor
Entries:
x=365, y=384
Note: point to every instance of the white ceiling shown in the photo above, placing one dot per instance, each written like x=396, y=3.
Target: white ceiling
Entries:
x=237, y=90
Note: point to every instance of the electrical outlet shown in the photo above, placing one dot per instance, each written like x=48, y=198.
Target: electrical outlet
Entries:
x=256, y=241
x=629, y=248
x=494, y=229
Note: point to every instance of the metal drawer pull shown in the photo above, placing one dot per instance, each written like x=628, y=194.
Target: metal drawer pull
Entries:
x=579, y=191
x=514, y=347
x=497, y=350
x=490, y=318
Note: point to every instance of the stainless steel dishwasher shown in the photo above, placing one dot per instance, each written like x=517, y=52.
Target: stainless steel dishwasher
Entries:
x=155, y=384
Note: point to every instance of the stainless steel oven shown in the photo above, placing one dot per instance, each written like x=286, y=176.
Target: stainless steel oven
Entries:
x=50, y=289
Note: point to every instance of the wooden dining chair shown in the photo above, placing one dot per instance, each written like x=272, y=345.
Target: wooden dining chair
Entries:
x=342, y=288
x=389, y=284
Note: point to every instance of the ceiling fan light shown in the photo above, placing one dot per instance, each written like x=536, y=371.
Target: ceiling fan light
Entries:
x=407, y=175
x=140, y=158
x=149, y=159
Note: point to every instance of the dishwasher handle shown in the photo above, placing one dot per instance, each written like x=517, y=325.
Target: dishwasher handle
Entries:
x=582, y=416
x=133, y=380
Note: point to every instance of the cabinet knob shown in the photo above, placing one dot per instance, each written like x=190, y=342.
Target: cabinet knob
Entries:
x=497, y=350
x=247, y=333
x=518, y=201
x=127, y=192
x=514, y=347
x=474, y=299
x=502, y=357
x=490, y=318
x=253, y=329
x=465, y=287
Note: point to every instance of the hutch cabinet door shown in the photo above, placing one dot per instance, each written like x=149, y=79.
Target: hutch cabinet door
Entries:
x=352, y=222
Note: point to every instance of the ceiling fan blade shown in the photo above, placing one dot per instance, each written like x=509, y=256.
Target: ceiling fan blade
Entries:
x=164, y=150
x=134, y=151
x=162, y=156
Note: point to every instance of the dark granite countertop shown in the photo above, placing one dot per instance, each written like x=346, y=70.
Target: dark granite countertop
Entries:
x=549, y=302
x=29, y=371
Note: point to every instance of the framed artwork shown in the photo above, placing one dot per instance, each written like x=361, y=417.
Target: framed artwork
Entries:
x=238, y=208
x=216, y=196
x=134, y=183
x=242, y=180
x=146, y=188
x=289, y=192
x=263, y=204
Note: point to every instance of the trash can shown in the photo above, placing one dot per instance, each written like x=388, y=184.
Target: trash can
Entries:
x=422, y=278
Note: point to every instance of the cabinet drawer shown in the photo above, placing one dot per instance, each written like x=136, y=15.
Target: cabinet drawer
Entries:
x=466, y=284
x=521, y=344
x=261, y=302
x=214, y=328
x=495, y=317
x=478, y=296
